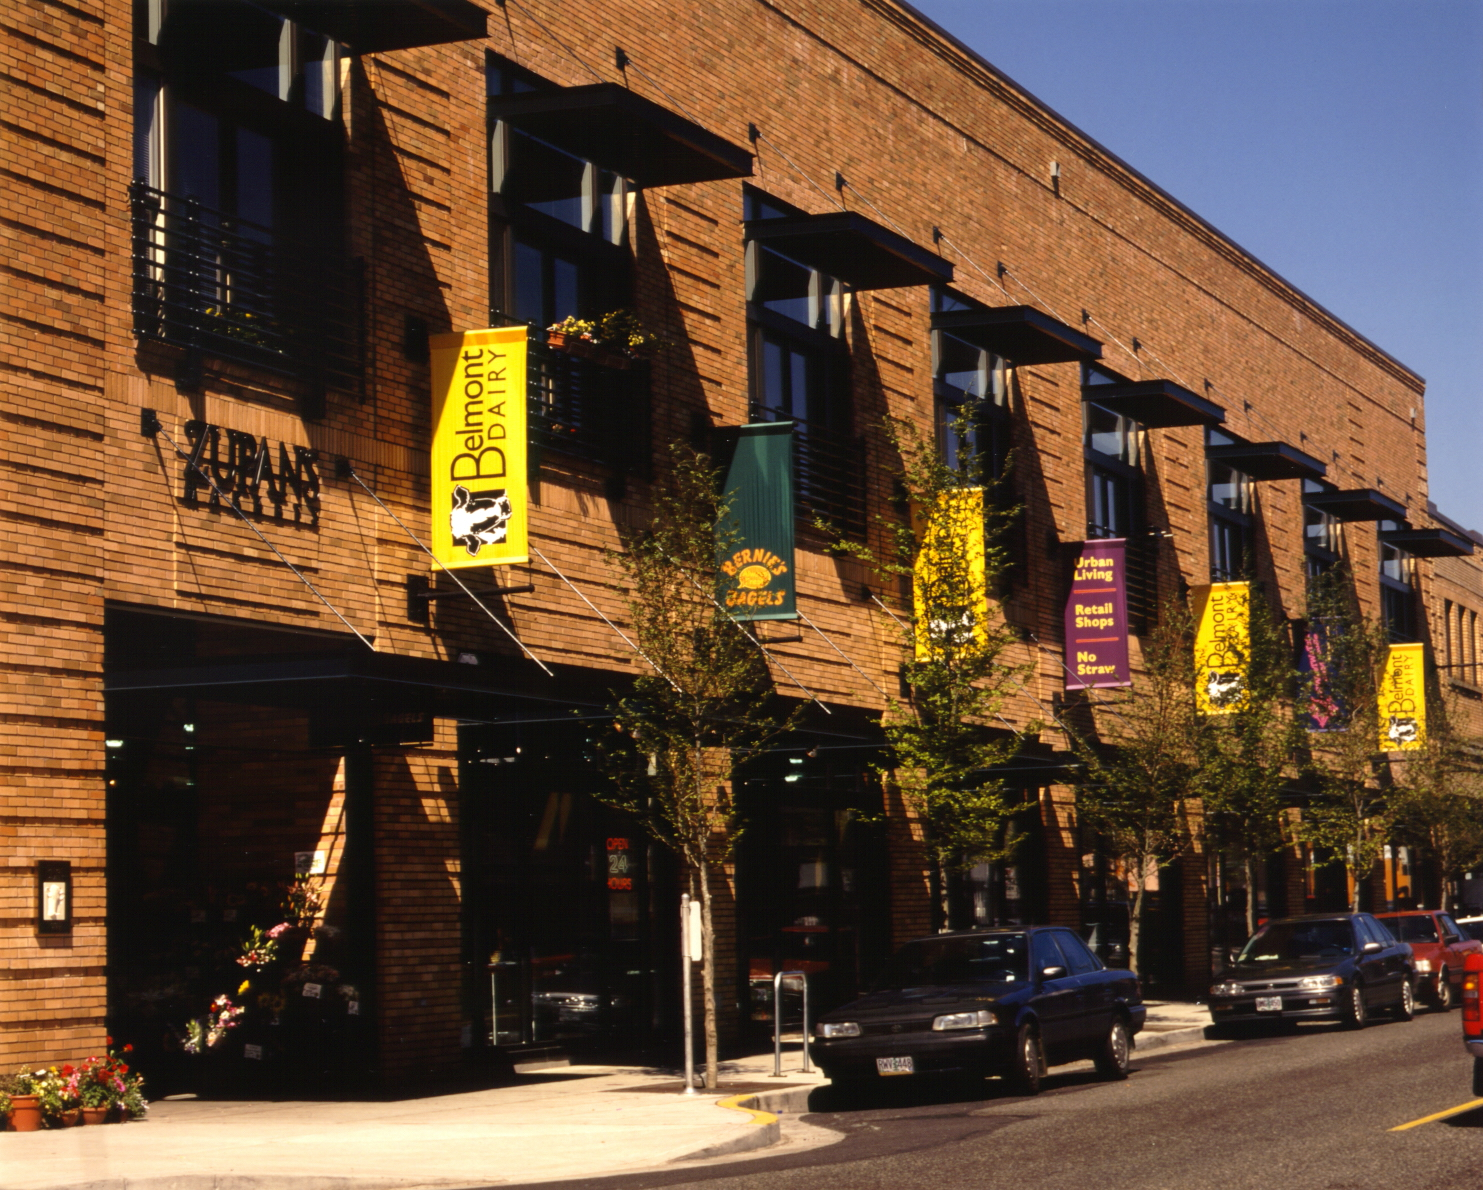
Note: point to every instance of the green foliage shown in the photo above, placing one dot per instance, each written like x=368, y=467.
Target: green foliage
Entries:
x=709, y=706
x=1352, y=814
x=1438, y=797
x=947, y=732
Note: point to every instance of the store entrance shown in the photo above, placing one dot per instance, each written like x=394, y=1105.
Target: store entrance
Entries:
x=559, y=899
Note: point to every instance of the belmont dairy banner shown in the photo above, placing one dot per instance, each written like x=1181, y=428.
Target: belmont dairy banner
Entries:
x=1403, y=700
x=949, y=589
x=479, y=497
x=755, y=579
x=1222, y=647
x=1097, y=617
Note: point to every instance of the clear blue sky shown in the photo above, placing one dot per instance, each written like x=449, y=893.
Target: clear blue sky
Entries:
x=1338, y=141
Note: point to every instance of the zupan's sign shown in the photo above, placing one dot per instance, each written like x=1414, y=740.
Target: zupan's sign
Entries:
x=242, y=469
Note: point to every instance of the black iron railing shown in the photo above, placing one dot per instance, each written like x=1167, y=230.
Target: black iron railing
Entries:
x=594, y=408
x=828, y=474
x=225, y=287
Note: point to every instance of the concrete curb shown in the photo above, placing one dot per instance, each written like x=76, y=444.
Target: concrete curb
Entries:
x=765, y=1130
x=1144, y=1042
x=210, y=1181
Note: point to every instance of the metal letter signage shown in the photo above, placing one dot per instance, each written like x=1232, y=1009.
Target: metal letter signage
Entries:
x=1403, y=700
x=756, y=569
x=1097, y=617
x=241, y=469
x=1222, y=647
x=949, y=589
x=479, y=497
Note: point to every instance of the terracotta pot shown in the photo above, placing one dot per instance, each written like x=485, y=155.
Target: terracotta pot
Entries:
x=25, y=1113
x=96, y=1115
x=587, y=349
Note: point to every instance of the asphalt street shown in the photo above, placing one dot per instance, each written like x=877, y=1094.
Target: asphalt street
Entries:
x=1309, y=1111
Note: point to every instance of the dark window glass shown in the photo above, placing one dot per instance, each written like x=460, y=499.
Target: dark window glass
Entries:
x=254, y=181
x=548, y=287
x=1286, y=941
x=1378, y=932
x=256, y=50
x=1230, y=549
x=1451, y=926
x=993, y=958
x=1045, y=953
x=1081, y=960
x=1413, y=929
x=547, y=180
x=1111, y=504
x=195, y=155
x=1397, y=592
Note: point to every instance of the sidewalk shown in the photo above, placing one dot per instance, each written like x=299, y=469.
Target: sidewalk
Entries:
x=555, y=1124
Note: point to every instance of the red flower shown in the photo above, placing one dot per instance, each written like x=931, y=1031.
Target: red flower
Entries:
x=129, y=1049
x=108, y=1041
x=67, y=1071
x=122, y=1069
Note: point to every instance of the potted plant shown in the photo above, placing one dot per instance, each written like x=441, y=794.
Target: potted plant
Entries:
x=614, y=339
x=22, y=1103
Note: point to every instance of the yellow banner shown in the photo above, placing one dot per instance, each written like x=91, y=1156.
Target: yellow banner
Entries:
x=1403, y=699
x=479, y=497
x=948, y=585
x=1222, y=648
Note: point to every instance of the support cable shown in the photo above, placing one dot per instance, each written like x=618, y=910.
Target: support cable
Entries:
x=840, y=651
x=576, y=57
x=604, y=618
x=505, y=628
x=841, y=183
x=624, y=62
x=223, y=498
x=748, y=634
x=755, y=134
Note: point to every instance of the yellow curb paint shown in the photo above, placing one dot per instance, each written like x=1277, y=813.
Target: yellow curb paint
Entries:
x=1441, y=1115
x=734, y=1103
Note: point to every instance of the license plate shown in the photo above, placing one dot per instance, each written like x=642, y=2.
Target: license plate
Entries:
x=894, y=1066
x=1269, y=1003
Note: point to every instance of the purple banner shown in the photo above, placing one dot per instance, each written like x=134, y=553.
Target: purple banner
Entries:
x=1317, y=674
x=1097, y=617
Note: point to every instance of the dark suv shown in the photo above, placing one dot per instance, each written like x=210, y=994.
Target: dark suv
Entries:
x=1338, y=966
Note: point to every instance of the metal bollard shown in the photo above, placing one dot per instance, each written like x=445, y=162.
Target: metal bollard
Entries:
x=777, y=1021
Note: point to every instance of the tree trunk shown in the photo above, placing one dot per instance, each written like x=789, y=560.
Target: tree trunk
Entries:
x=1135, y=924
x=1250, y=864
x=708, y=977
x=937, y=890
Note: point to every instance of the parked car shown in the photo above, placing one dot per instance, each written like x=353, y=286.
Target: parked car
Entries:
x=1438, y=948
x=1009, y=1002
x=1321, y=966
x=1472, y=1017
x=1471, y=926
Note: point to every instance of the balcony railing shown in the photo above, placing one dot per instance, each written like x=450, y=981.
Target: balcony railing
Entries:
x=828, y=474
x=225, y=287
x=589, y=408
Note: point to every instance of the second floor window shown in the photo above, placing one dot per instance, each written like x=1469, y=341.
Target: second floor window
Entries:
x=1231, y=501
x=1397, y=590
x=970, y=396
x=1321, y=542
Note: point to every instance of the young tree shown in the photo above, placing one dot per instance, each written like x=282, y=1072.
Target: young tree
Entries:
x=946, y=733
x=1141, y=766
x=1243, y=760
x=1439, y=798
x=1352, y=813
x=704, y=704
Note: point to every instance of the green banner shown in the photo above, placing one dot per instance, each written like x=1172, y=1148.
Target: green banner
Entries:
x=755, y=579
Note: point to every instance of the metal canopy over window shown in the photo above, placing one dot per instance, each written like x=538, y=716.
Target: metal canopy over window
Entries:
x=1158, y=404
x=1020, y=334
x=857, y=250
x=1428, y=543
x=1356, y=504
x=373, y=26
x=632, y=136
x=1264, y=460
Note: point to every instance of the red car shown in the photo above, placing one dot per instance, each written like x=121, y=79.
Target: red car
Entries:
x=1472, y=1017
x=1440, y=947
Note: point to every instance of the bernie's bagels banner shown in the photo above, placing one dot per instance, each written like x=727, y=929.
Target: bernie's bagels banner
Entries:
x=479, y=496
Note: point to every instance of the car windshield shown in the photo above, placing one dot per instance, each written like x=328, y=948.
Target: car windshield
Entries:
x=1412, y=929
x=1283, y=942
x=997, y=958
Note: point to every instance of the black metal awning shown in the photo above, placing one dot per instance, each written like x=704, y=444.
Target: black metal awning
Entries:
x=365, y=681
x=626, y=133
x=1159, y=404
x=1428, y=543
x=1021, y=334
x=1267, y=460
x=373, y=26
x=1357, y=504
x=857, y=250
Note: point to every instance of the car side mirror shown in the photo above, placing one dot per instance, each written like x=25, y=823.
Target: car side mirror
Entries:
x=1052, y=972
x=1449, y=939
x=1372, y=948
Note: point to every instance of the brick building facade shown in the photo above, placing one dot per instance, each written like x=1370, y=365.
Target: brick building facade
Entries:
x=228, y=236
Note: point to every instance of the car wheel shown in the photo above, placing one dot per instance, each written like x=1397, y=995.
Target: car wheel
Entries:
x=1442, y=1002
x=1405, y=1010
x=1356, y=1015
x=1029, y=1062
x=1112, y=1059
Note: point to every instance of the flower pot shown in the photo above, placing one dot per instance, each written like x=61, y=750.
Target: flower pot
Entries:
x=598, y=353
x=25, y=1113
x=96, y=1115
